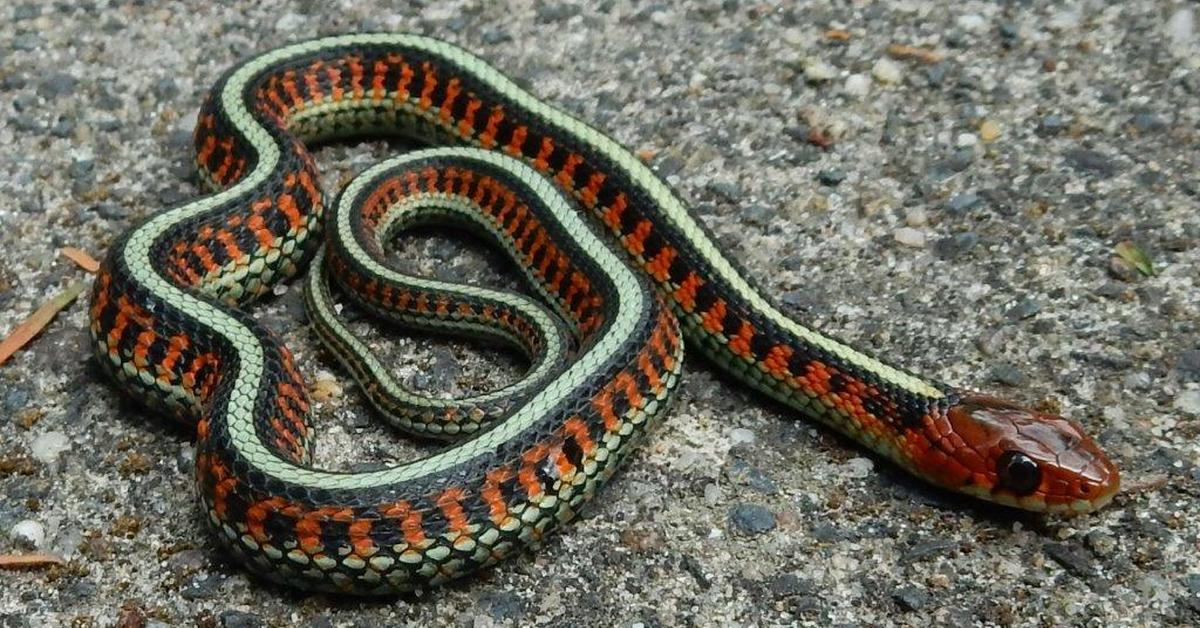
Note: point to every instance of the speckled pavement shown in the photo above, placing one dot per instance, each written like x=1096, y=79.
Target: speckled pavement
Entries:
x=973, y=213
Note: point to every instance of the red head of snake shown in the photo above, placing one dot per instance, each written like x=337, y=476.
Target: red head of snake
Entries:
x=1018, y=457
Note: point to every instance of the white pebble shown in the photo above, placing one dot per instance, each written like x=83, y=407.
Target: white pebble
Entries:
x=886, y=71
x=28, y=533
x=916, y=217
x=289, y=22
x=1188, y=401
x=712, y=494
x=792, y=36
x=972, y=22
x=817, y=70
x=47, y=447
x=1181, y=27
x=1064, y=20
x=858, y=85
x=858, y=467
x=966, y=140
x=740, y=435
x=910, y=237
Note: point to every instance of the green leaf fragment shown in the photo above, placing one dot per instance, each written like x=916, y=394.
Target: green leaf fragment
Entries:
x=1136, y=257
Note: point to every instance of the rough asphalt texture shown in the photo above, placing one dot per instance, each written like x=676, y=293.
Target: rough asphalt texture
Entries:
x=962, y=217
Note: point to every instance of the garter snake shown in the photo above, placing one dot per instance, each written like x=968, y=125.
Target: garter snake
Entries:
x=605, y=340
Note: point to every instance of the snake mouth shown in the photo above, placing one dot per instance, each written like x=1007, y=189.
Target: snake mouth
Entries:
x=1042, y=504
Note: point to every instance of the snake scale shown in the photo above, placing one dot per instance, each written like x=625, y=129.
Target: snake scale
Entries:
x=604, y=340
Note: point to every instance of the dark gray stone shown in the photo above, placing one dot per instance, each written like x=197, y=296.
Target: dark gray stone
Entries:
x=1091, y=161
x=239, y=619
x=911, y=598
x=554, y=12
x=831, y=178
x=165, y=88
x=57, y=85
x=1147, y=123
x=790, y=585
x=952, y=165
x=1051, y=125
x=956, y=245
x=1188, y=365
x=926, y=548
x=1023, y=309
x=27, y=42
x=960, y=203
x=81, y=169
x=727, y=190
x=1074, y=559
x=1008, y=375
x=504, y=605
x=740, y=472
x=752, y=518
x=26, y=11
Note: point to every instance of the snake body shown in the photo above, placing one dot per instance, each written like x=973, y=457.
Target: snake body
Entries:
x=605, y=343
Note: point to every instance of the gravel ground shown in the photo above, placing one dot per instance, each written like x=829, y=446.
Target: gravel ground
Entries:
x=985, y=193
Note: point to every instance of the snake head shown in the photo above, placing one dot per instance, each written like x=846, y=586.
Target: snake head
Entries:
x=1022, y=458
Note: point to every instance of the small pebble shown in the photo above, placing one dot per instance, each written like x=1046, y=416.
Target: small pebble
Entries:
x=26, y=11
x=239, y=619
x=26, y=42
x=816, y=70
x=1008, y=375
x=960, y=203
x=831, y=177
x=935, y=75
x=1147, y=123
x=910, y=237
x=887, y=71
x=1025, y=308
x=28, y=534
x=553, y=12
x=289, y=21
x=741, y=436
x=752, y=518
x=916, y=217
x=1181, y=28
x=1188, y=401
x=727, y=190
x=325, y=387
x=959, y=161
x=1120, y=269
x=1009, y=33
x=1072, y=558
x=971, y=22
x=1188, y=365
x=48, y=446
x=503, y=605
x=56, y=85
x=910, y=598
x=1091, y=161
x=858, y=467
x=858, y=85
x=989, y=131
x=1100, y=542
x=956, y=245
x=1051, y=125
x=712, y=494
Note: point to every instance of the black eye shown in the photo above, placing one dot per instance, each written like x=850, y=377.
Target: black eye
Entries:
x=1018, y=473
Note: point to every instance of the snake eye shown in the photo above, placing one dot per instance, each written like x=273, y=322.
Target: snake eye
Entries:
x=1018, y=473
